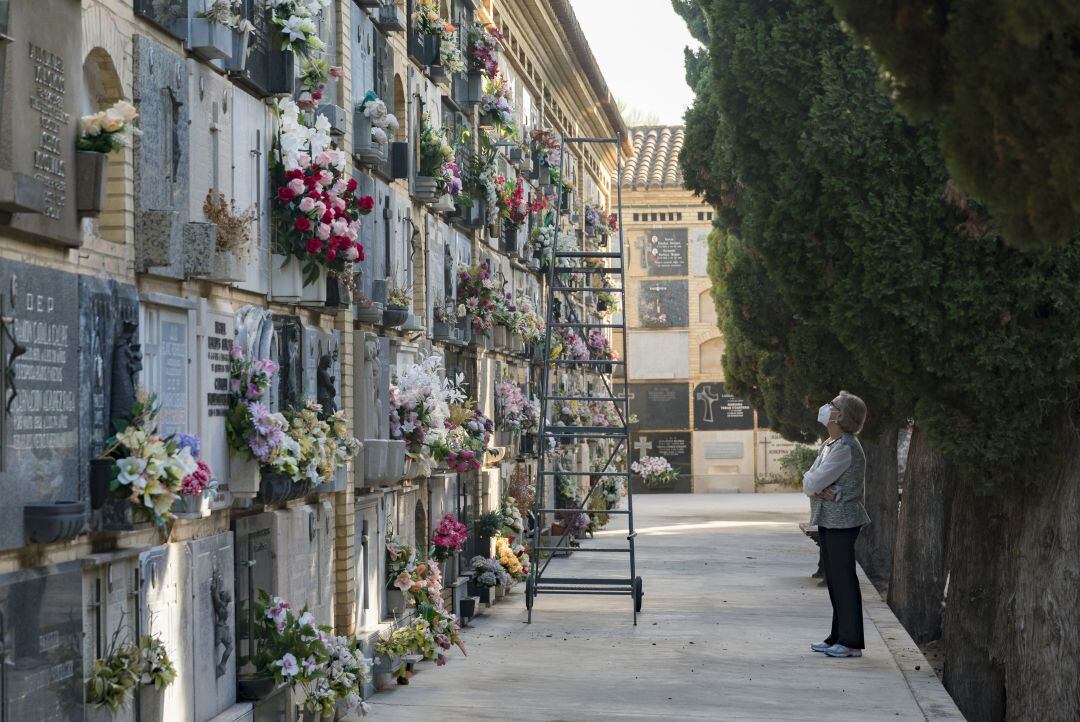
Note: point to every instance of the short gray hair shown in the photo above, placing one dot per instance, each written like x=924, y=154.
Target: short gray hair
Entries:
x=852, y=412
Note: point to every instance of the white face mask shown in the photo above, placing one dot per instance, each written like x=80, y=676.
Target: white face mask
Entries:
x=823, y=415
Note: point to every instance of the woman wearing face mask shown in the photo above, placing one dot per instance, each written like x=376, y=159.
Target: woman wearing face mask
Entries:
x=835, y=486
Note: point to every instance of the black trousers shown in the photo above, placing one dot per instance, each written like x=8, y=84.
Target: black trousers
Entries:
x=838, y=556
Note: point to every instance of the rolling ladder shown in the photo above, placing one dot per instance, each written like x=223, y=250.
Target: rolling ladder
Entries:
x=566, y=269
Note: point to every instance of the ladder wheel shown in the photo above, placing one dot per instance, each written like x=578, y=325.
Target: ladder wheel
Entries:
x=638, y=593
x=529, y=593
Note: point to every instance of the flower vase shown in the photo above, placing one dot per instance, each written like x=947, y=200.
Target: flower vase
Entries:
x=394, y=316
x=102, y=472
x=425, y=188
x=227, y=267
x=314, y=293
x=500, y=337
x=237, y=60
x=369, y=312
x=57, y=521
x=286, y=279
x=91, y=173
x=210, y=40
x=255, y=689
x=244, y=476
x=192, y=506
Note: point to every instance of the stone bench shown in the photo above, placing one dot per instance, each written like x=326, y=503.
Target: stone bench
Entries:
x=811, y=531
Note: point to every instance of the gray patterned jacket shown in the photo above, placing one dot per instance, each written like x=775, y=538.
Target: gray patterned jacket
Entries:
x=848, y=511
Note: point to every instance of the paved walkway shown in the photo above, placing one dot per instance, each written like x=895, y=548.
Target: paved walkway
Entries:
x=729, y=613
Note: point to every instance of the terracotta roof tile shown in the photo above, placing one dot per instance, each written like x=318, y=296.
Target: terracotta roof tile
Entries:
x=655, y=163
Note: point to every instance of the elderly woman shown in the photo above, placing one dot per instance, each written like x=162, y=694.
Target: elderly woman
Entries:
x=835, y=486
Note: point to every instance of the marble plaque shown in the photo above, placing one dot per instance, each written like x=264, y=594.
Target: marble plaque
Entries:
x=250, y=181
x=716, y=410
x=724, y=450
x=167, y=350
x=163, y=606
x=676, y=447
x=660, y=405
x=665, y=251
x=663, y=303
x=40, y=403
x=162, y=157
x=255, y=553
x=368, y=551
x=211, y=624
x=215, y=334
x=41, y=628
x=42, y=87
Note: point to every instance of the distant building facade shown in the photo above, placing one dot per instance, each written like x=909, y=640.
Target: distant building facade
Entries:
x=675, y=371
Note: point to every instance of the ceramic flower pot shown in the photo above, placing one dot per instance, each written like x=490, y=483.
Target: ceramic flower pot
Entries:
x=274, y=488
x=255, y=689
x=370, y=313
x=91, y=173
x=54, y=522
x=227, y=267
x=425, y=188
x=395, y=316
x=210, y=40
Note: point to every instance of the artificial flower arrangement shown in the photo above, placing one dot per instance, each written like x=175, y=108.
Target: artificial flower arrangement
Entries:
x=449, y=538
x=485, y=41
x=565, y=343
x=546, y=147
x=114, y=677
x=513, y=558
x=511, y=200
x=109, y=130
x=419, y=409
x=477, y=291
x=227, y=13
x=468, y=435
x=148, y=469
x=497, y=102
x=317, y=207
x=313, y=81
x=323, y=444
x=201, y=481
x=397, y=296
x=437, y=159
x=653, y=318
x=418, y=637
x=251, y=429
x=421, y=583
x=304, y=656
x=606, y=304
x=592, y=218
x=480, y=174
x=654, y=471
x=427, y=21
x=297, y=21
x=513, y=522
x=600, y=346
x=516, y=412
x=490, y=572
x=526, y=323
x=383, y=122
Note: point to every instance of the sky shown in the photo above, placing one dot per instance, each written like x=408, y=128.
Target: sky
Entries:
x=639, y=46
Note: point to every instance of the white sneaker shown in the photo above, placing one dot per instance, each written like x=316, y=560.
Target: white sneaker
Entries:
x=839, y=650
x=819, y=646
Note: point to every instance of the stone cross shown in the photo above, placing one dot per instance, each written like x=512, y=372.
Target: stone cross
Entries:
x=707, y=395
x=643, y=446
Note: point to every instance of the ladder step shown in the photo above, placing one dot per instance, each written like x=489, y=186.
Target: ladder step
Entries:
x=588, y=269
x=583, y=580
x=588, y=254
x=585, y=473
x=596, y=289
x=584, y=511
x=585, y=590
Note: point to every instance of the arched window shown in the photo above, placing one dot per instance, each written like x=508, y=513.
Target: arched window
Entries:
x=711, y=358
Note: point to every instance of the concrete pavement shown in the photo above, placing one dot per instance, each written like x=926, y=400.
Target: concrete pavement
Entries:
x=729, y=613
